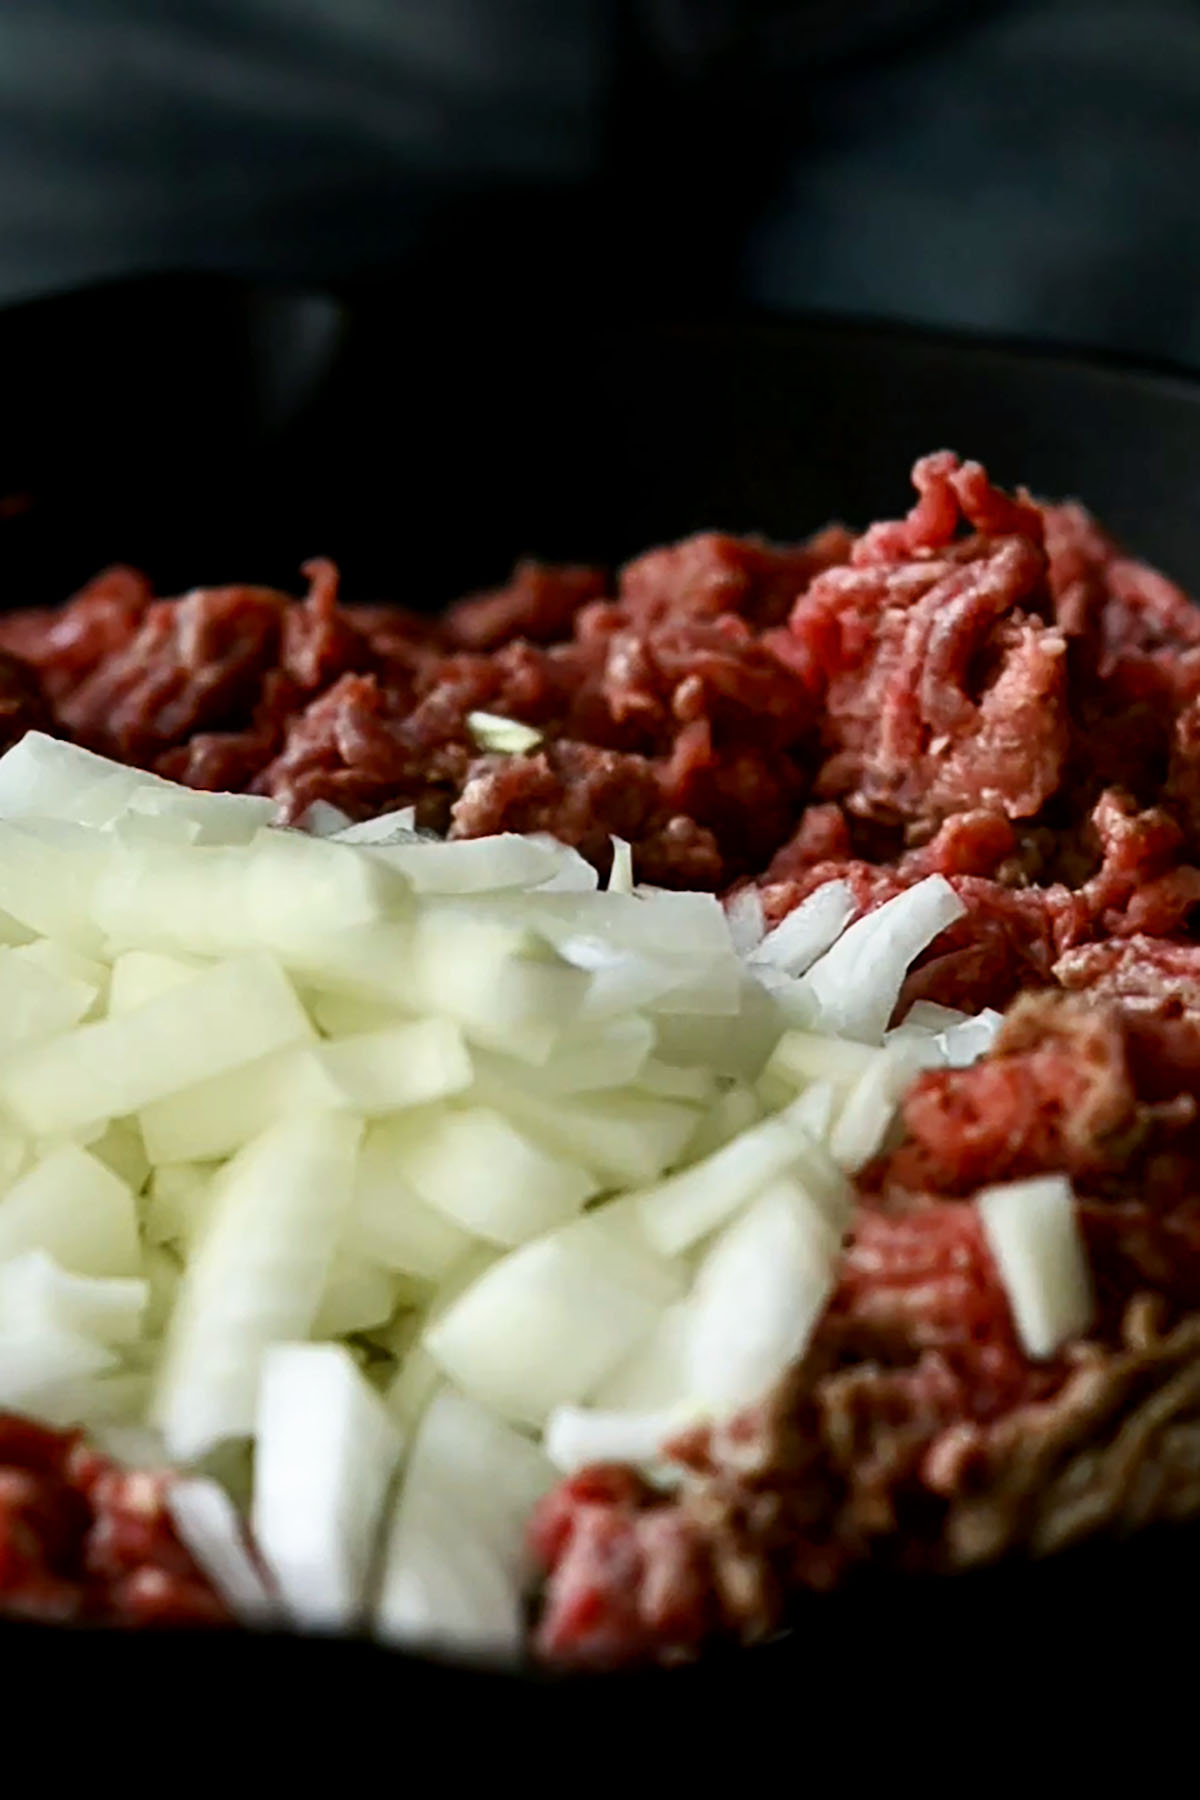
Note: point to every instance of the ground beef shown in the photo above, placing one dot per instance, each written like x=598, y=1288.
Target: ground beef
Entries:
x=22, y=705
x=83, y=1541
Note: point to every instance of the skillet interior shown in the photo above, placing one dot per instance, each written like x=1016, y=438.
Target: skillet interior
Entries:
x=208, y=432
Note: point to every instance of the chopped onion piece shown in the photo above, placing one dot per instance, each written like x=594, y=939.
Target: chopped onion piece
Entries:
x=38, y=1295
x=282, y=893
x=74, y=1209
x=13, y=934
x=455, y=1566
x=806, y=933
x=120, y=1148
x=622, y=980
x=964, y=1043
x=136, y=828
x=256, y=1277
x=359, y=1296
x=32, y=1365
x=804, y=1056
x=1033, y=1233
x=758, y=1296
x=626, y=1138
x=733, y=1044
x=63, y=961
x=209, y=1528
x=142, y=975
x=682, y=1210
x=134, y=1445
x=696, y=1085
x=16, y=1153
x=178, y=1202
x=857, y=982
x=500, y=736
x=573, y=874
x=36, y=1003
x=927, y=1015
x=545, y=1325
x=111, y=1397
x=620, y=876
x=507, y=991
x=222, y=819
x=734, y=1112
x=401, y=1065
x=163, y=1271
x=49, y=875
x=471, y=865
x=871, y=1105
x=815, y=1110
x=224, y=1018
x=46, y=777
x=345, y=1015
x=744, y=913
x=326, y=1450
x=477, y=1168
x=324, y=820
x=390, y=1223
x=388, y=828
x=413, y=1386
x=576, y=1436
x=656, y=1376
x=213, y=1118
x=606, y=1053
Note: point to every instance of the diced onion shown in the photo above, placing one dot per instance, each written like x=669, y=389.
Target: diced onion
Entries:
x=620, y=878
x=224, y=1018
x=325, y=1439
x=500, y=736
x=455, y=1566
x=397, y=1066
x=808, y=931
x=576, y=1436
x=759, y=1294
x=478, y=1169
x=871, y=1104
x=36, y=1003
x=471, y=865
x=685, y=1208
x=1033, y=1233
x=546, y=1324
x=256, y=1277
x=210, y=1119
x=388, y=828
x=857, y=982
x=747, y=925
x=36, y=1294
x=75, y=1210
x=324, y=820
x=209, y=1527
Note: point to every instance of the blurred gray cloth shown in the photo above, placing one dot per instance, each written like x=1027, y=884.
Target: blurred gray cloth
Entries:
x=1024, y=167
x=290, y=137
x=1038, y=173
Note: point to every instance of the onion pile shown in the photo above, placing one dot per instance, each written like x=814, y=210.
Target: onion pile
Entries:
x=380, y=1178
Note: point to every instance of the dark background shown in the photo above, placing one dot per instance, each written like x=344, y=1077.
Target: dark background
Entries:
x=995, y=164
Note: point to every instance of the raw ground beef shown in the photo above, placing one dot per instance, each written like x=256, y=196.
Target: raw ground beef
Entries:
x=85, y=1542
x=989, y=689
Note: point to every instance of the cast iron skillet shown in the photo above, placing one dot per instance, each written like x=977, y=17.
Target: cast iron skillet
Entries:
x=213, y=434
